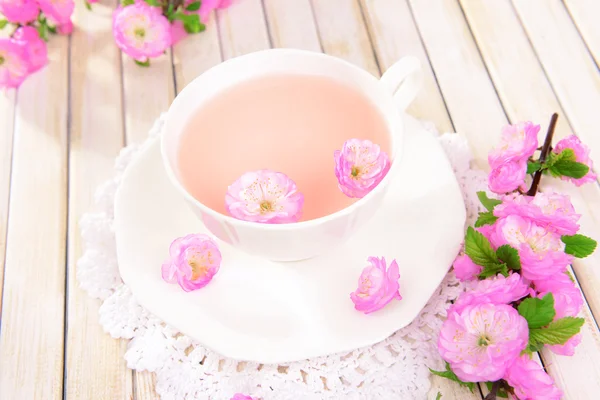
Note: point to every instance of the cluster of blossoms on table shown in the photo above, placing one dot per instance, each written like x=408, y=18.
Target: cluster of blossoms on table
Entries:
x=142, y=29
x=520, y=296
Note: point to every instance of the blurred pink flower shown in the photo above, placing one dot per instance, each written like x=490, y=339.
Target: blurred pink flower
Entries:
x=530, y=381
x=567, y=349
x=481, y=341
x=193, y=261
x=507, y=177
x=209, y=5
x=465, y=269
x=518, y=143
x=264, y=196
x=57, y=11
x=19, y=11
x=550, y=210
x=582, y=155
x=34, y=47
x=495, y=290
x=14, y=65
x=376, y=286
x=240, y=396
x=141, y=31
x=178, y=32
x=541, y=252
x=360, y=166
x=66, y=28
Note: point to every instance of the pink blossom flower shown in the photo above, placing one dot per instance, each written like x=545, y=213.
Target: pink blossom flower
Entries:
x=541, y=252
x=530, y=381
x=19, y=11
x=178, y=32
x=582, y=155
x=209, y=5
x=481, y=341
x=376, y=286
x=518, y=143
x=552, y=211
x=34, y=47
x=66, y=28
x=264, y=196
x=360, y=166
x=568, y=300
x=194, y=260
x=496, y=290
x=57, y=11
x=465, y=269
x=507, y=177
x=240, y=396
x=567, y=349
x=141, y=31
x=14, y=66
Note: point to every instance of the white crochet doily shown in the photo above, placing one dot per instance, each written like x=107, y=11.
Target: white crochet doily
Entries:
x=396, y=368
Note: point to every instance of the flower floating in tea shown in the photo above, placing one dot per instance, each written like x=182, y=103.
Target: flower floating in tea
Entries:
x=264, y=196
x=194, y=260
x=360, y=166
x=377, y=286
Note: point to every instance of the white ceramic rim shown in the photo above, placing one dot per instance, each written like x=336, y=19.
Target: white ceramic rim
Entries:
x=396, y=138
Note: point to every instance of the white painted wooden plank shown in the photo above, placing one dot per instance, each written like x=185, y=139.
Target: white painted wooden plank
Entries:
x=343, y=32
x=569, y=66
x=585, y=15
x=394, y=36
x=445, y=24
x=94, y=360
x=291, y=24
x=242, y=29
x=7, y=114
x=32, y=330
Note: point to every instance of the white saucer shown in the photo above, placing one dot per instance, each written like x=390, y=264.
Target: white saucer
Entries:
x=268, y=312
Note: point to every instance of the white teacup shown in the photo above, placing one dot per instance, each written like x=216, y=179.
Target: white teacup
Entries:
x=294, y=241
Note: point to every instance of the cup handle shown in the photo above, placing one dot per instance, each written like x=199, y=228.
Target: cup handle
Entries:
x=404, y=78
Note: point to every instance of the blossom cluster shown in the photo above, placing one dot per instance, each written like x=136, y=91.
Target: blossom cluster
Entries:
x=24, y=51
x=520, y=296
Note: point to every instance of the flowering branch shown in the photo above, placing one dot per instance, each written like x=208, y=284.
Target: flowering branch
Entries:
x=545, y=150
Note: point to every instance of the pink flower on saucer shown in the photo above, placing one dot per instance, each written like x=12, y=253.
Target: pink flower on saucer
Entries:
x=530, y=381
x=240, y=396
x=264, y=196
x=194, y=260
x=376, y=286
x=360, y=166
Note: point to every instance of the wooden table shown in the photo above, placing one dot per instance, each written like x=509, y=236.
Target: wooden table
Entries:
x=487, y=63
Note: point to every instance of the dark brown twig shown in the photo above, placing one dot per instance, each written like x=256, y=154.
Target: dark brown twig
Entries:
x=545, y=150
x=492, y=394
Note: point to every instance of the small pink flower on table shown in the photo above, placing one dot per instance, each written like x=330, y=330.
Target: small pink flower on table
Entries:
x=482, y=340
x=240, y=396
x=14, y=65
x=582, y=155
x=58, y=12
x=264, y=196
x=19, y=11
x=530, y=381
x=377, y=285
x=360, y=166
x=141, y=31
x=34, y=47
x=194, y=260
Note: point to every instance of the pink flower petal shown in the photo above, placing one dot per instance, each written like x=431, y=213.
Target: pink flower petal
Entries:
x=530, y=381
x=377, y=286
x=360, y=166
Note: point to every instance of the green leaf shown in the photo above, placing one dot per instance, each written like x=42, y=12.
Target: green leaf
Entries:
x=42, y=29
x=510, y=256
x=565, y=155
x=488, y=203
x=578, y=245
x=538, y=312
x=195, y=6
x=532, y=347
x=126, y=3
x=448, y=374
x=533, y=166
x=153, y=3
x=493, y=270
x=143, y=63
x=571, y=169
x=88, y=5
x=439, y=396
x=479, y=249
x=557, y=332
x=3, y=23
x=485, y=218
x=52, y=29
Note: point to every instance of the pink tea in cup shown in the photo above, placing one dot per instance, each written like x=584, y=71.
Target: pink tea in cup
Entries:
x=286, y=123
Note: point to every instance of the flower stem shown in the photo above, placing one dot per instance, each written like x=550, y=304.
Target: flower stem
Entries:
x=545, y=150
x=492, y=394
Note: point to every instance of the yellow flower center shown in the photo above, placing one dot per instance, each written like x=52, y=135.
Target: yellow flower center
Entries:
x=483, y=341
x=355, y=171
x=1, y=60
x=140, y=33
x=266, y=206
